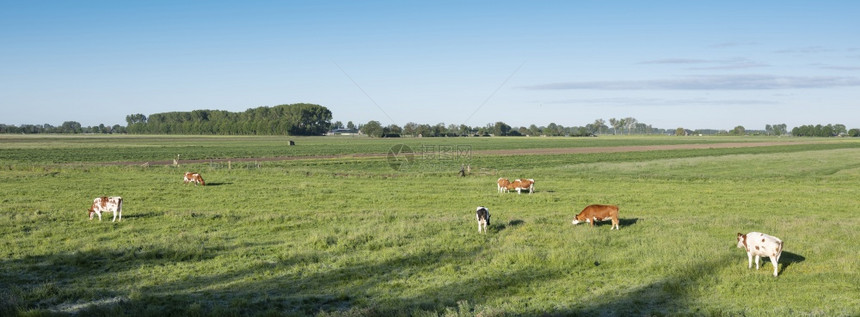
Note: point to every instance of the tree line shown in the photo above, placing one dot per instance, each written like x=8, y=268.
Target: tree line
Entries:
x=312, y=119
x=627, y=125
x=824, y=130
x=293, y=119
x=622, y=126
x=68, y=127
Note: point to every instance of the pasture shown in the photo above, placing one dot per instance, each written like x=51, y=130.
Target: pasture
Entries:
x=346, y=234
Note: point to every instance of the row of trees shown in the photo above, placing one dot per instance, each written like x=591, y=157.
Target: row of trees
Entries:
x=293, y=119
x=312, y=119
x=67, y=127
x=824, y=130
x=629, y=125
x=625, y=125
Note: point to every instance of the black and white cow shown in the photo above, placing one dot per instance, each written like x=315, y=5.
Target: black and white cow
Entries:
x=483, y=215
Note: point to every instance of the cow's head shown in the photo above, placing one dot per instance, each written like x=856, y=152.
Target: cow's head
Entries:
x=742, y=240
x=580, y=218
x=91, y=212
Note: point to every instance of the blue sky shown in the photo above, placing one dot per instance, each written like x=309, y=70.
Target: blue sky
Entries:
x=691, y=64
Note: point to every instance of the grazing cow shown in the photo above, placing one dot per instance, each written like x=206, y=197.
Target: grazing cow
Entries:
x=522, y=184
x=483, y=215
x=194, y=177
x=594, y=213
x=760, y=244
x=503, y=184
x=100, y=204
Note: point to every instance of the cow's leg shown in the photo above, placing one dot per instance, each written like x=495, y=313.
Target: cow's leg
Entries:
x=100, y=215
x=757, y=261
x=114, y=216
x=775, y=266
x=749, y=257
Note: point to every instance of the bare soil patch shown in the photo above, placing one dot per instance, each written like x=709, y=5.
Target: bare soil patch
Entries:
x=632, y=148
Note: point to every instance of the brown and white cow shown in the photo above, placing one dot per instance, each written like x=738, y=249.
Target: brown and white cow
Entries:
x=522, y=184
x=483, y=215
x=503, y=184
x=594, y=213
x=194, y=177
x=101, y=204
x=759, y=244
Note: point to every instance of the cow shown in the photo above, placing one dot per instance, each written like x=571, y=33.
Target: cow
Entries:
x=483, y=215
x=594, y=213
x=760, y=245
x=522, y=184
x=103, y=203
x=194, y=178
x=503, y=184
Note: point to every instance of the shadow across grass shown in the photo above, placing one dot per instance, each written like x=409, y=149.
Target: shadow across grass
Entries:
x=145, y=214
x=626, y=222
x=788, y=258
x=218, y=184
x=502, y=226
x=301, y=284
x=622, y=222
x=667, y=296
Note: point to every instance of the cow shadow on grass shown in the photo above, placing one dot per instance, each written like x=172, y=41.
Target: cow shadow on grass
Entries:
x=503, y=226
x=788, y=258
x=622, y=222
x=626, y=222
x=134, y=215
x=218, y=184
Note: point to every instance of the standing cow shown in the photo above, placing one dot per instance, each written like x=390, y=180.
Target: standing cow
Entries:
x=522, y=184
x=759, y=244
x=503, y=184
x=193, y=177
x=594, y=213
x=483, y=215
x=101, y=204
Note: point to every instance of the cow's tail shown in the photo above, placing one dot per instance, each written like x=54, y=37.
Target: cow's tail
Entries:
x=778, y=251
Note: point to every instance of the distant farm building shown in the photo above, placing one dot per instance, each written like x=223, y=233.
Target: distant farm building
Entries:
x=343, y=132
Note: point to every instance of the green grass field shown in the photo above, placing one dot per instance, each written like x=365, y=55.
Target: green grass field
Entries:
x=350, y=236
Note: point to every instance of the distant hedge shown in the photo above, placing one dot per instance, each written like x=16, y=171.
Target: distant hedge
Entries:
x=292, y=119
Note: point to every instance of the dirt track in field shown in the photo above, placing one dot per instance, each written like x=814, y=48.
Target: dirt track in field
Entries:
x=633, y=148
x=545, y=151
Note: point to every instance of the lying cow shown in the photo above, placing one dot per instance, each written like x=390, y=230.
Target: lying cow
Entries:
x=760, y=244
x=194, y=177
x=522, y=184
x=503, y=184
x=483, y=215
x=594, y=213
x=101, y=204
